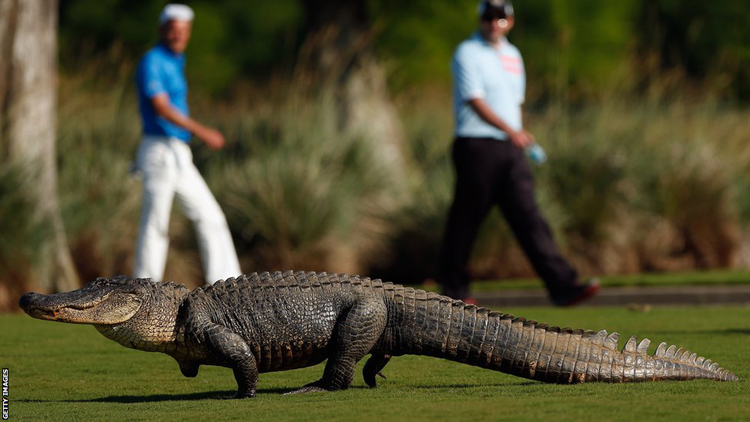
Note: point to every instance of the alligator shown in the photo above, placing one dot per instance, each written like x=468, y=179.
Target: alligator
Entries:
x=280, y=321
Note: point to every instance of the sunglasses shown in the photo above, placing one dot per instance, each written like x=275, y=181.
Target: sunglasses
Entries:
x=491, y=16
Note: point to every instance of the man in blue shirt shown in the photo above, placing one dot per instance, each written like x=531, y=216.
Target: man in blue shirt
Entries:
x=488, y=153
x=166, y=161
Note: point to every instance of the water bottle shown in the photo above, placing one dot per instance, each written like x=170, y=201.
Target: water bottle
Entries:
x=536, y=153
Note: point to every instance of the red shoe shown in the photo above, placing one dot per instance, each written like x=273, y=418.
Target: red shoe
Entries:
x=580, y=294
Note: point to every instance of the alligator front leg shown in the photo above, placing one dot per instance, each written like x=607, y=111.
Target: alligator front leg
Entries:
x=234, y=349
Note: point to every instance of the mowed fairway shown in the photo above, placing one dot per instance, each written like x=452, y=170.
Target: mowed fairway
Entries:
x=69, y=372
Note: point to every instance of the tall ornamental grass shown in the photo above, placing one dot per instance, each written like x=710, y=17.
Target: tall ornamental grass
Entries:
x=632, y=184
x=302, y=191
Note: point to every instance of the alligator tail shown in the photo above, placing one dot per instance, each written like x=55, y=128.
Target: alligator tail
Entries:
x=464, y=333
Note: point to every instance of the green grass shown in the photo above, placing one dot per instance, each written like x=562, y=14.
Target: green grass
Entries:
x=68, y=372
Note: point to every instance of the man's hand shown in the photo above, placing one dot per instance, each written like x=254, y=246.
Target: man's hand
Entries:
x=522, y=138
x=519, y=138
x=211, y=137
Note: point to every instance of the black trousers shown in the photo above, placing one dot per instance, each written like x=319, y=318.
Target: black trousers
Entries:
x=488, y=173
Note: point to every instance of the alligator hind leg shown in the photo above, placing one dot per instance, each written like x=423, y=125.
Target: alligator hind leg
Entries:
x=373, y=366
x=356, y=332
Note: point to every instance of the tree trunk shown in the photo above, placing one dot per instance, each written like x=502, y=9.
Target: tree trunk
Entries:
x=28, y=96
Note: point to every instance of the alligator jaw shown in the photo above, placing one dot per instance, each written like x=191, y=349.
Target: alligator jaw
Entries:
x=74, y=308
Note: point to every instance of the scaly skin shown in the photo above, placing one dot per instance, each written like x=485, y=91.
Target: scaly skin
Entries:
x=274, y=322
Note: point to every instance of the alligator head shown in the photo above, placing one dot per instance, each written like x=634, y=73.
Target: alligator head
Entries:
x=136, y=313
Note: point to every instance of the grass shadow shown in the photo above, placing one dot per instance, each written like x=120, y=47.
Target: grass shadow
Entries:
x=143, y=399
x=483, y=385
x=155, y=398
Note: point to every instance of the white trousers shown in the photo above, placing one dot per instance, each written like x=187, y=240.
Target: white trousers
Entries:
x=169, y=173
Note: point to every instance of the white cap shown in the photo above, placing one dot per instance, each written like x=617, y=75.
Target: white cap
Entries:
x=176, y=12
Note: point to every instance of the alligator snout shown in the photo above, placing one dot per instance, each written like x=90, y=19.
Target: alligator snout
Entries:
x=40, y=306
x=28, y=300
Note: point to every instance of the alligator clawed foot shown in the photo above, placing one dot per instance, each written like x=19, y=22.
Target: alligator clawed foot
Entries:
x=374, y=367
x=306, y=389
x=237, y=396
x=313, y=387
x=370, y=381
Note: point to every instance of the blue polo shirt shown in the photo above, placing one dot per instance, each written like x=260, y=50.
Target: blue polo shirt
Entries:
x=161, y=71
x=495, y=74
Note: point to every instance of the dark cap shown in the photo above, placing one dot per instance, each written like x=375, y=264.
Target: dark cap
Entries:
x=498, y=9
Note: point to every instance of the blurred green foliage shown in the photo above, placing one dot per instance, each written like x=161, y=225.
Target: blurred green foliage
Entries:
x=709, y=40
x=579, y=44
x=231, y=40
x=417, y=38
x=571, y=48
